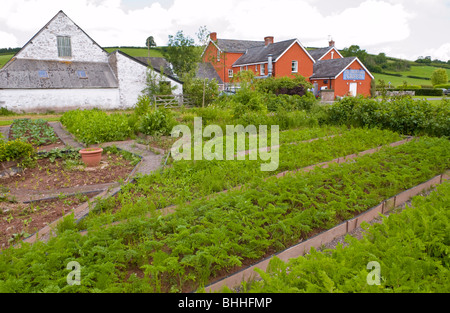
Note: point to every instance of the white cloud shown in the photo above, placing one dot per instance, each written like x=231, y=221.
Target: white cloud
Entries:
x=369, y=23
x=442, y=53
x=8, y=40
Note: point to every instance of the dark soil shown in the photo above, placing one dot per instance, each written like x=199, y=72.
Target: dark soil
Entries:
x=19, y=220
x=61, y=174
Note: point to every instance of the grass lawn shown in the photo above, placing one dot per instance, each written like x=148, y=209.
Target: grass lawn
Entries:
x=420, y=71
x=397, y=81
x=4, y=58
x=138, y=52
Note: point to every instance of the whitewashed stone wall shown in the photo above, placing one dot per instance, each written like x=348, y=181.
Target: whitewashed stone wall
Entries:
x=132, y=80
x=58, y=100
x=44, y=45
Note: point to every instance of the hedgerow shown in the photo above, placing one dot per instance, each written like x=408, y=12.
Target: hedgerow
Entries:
x=405, y=115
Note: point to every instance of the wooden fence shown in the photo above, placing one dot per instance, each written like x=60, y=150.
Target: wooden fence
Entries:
x=171, y=101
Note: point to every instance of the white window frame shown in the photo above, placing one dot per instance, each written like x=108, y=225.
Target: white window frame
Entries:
x=263, y=69
x=294, y=66
x=64, y=44
x=230, y=73
x=256, y=68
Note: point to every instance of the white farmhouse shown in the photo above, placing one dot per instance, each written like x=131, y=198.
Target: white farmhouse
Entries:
x=61, y=68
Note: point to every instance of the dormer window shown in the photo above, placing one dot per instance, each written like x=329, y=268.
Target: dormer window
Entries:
x=64, y=46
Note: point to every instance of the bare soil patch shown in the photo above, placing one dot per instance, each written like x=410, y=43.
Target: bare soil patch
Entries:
x=20, y=220
x=47, y=175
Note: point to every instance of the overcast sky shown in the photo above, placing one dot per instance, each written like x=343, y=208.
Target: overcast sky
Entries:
x=400, y=28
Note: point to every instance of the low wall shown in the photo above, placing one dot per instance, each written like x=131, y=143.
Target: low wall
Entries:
x=397, y=93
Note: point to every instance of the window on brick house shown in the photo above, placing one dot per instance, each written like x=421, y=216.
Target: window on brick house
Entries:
x=64, y=46
x=230, y=73
x=263, y=69
x=294, y=66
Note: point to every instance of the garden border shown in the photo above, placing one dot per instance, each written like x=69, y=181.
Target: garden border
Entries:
x=302, y=248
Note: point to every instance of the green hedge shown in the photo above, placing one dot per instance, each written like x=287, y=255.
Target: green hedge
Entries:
x=429, y=92
x=406, y=116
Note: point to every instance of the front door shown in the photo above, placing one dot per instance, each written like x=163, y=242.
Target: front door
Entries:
x=353, y=89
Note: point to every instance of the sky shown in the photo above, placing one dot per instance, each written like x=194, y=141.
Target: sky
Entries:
x=406, y=29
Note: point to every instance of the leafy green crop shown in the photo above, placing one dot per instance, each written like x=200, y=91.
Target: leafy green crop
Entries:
x=203, y=238
x=36, y=132
x=95, y=126
x=412, y=249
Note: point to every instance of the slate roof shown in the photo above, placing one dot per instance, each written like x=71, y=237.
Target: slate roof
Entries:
x=261, y=53
x=237, y=46
x=207, y=70
x=24, y=74
x=318, y=53
x=157, y=63
x=330, y=68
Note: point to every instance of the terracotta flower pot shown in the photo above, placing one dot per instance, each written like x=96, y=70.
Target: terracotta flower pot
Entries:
x=91, y=156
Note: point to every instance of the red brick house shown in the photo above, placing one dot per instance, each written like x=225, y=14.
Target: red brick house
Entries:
x=325, y=67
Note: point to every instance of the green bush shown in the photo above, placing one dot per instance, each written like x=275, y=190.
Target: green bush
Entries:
x=406, y=116
x=157, y=122
x=429, y=92
x=445, y=86
x=95, y=126
x=6, y=112
x=18, y=151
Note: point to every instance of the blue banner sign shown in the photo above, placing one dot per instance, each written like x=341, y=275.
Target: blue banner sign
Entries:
x=354, y=75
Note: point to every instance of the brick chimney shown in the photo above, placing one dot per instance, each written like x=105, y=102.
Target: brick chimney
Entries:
x=213, y=36
x=268, y=40
x=331, y=43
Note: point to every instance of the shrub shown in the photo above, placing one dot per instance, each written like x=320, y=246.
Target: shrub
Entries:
x=194, y=88
x=445, y=86
x=157, y=122
x=18, y=151
x=6, y=112
x=95, y=126
x=405, y=115
x=429, y=92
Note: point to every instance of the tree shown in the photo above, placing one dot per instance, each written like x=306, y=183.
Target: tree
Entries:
x=182, y=53
x=150, y=42
x=355, y=51
x=439, y=76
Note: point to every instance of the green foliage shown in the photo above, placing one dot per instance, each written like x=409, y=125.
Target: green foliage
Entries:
x=439, y=76
x=36, y=132
x=201, y=91
x=205, y=238
x=283, y=85
x=182, y=54
x=18, y=151
x=96, y=126
x=150, y=42
x=157, y=122
x=6, y=112
x=406, y=116
x=411, y=247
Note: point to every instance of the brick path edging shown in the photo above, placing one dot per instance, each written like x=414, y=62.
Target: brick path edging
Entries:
x=325, y=237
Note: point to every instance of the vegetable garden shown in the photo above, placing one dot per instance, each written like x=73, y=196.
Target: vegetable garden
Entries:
x=193, y=223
